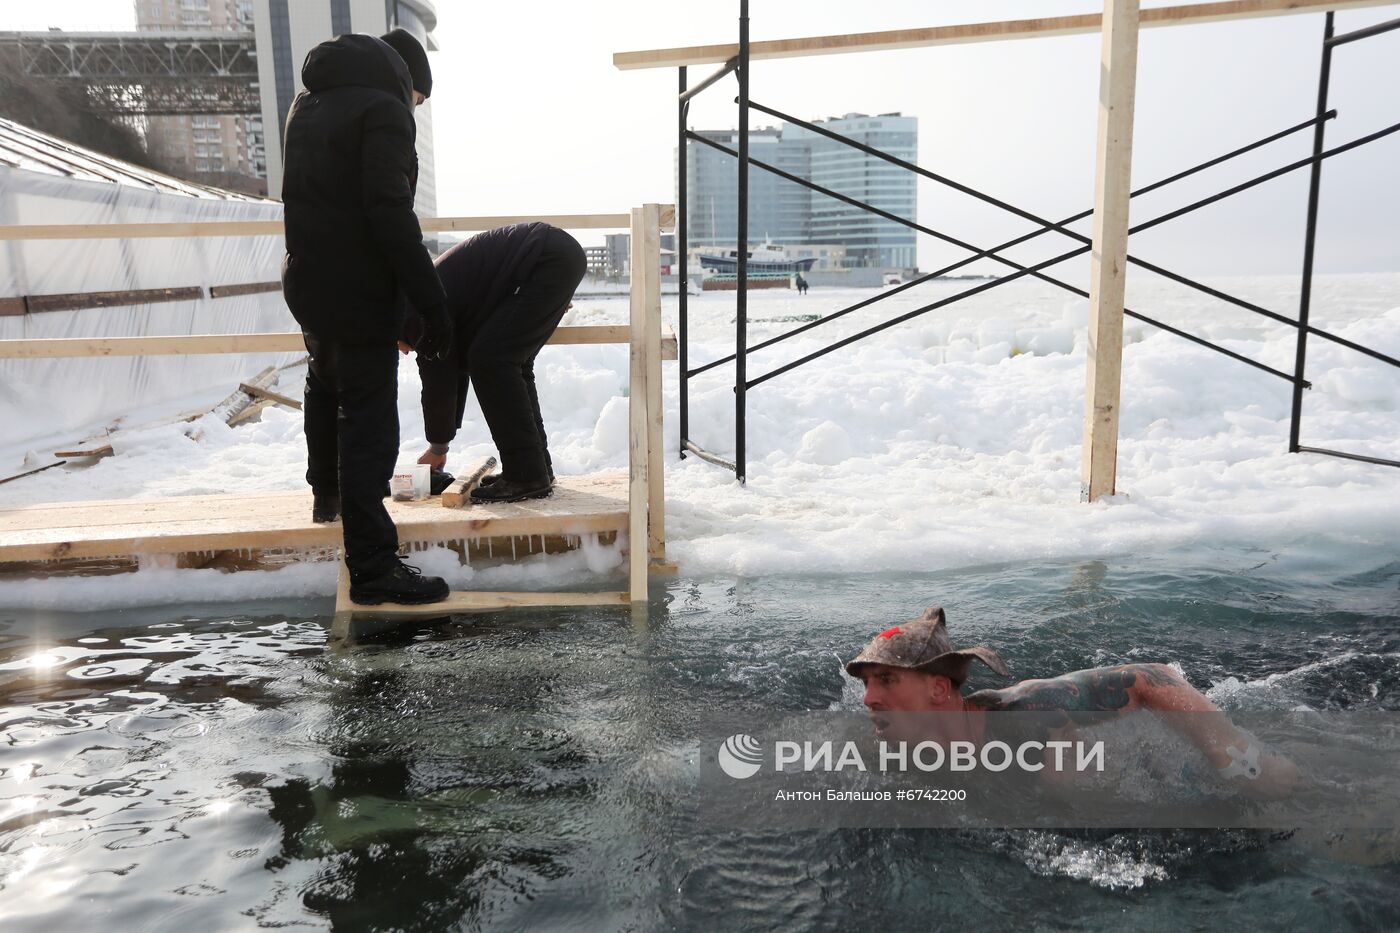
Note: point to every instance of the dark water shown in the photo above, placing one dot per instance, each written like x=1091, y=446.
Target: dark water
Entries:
x=228, y=768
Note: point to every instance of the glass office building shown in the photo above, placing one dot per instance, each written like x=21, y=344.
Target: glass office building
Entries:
x=791, y=215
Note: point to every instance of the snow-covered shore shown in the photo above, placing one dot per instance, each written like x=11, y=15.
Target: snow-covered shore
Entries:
x=953, y=440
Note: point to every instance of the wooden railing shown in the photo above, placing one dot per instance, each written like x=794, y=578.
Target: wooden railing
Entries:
x=643, y=334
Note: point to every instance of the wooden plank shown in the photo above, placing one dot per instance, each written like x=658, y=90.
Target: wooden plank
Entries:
x=483, y=601
x=52, y=531
x=267, y=395
x=77, y=453
x=565, y=221
x=249, y=413
x=656, y=466
x=638, y=493
x=1082, y=24
x=1108, y=262
x=274, y=227
x=134, y=231
x=250, y=288
x=459, y=493
x=194, y=344
x=118, y=299
x=240, y=398
x=13, y=307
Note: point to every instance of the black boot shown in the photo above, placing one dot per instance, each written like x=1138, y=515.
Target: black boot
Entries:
x=403, y=583
x=493, y=477
x=510, y=489
x=438, y=481
x=325, y=507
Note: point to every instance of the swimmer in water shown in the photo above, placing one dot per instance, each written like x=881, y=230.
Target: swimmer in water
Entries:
x=914, y=668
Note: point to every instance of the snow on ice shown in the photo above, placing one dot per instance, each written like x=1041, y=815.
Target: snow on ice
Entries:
x=950, y=441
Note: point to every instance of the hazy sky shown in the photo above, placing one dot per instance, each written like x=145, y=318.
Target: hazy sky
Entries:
x=530, y=116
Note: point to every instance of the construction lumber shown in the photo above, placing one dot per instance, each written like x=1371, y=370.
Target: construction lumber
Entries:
x=79, y=453
x=1108, y=263
x=193, y=344
x=36, y=304
x=271, y=520
x=481, y=601
x=1082, y=24
x=230, y=407
x=274, y=227
x=269, y=396
x=459, y=493
x=645, y=260
x=250, y=288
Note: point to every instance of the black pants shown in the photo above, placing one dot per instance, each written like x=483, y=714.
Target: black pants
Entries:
x=352, y=441
x=502, y=356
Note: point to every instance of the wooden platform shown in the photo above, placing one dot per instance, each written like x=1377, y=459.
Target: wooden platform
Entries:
x=126, y=527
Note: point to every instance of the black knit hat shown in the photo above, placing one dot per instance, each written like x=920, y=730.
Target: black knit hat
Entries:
x=413, y=55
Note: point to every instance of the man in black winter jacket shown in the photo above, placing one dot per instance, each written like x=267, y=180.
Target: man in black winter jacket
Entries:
x=354, y=255
x=507, y=290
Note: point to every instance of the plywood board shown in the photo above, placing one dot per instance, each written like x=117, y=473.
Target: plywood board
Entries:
x=65, y=530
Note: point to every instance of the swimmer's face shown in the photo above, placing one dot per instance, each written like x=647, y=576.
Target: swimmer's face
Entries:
x=899, y=690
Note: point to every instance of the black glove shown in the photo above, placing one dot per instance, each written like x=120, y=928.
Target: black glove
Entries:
x=436, y=341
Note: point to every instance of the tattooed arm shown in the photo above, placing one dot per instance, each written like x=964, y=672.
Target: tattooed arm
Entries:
x=1086, y=697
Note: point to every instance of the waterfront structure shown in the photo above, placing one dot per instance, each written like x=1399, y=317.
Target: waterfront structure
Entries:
x=783, y=212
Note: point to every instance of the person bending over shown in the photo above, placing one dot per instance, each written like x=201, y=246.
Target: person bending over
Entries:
x=507, y=290
x=914, y=668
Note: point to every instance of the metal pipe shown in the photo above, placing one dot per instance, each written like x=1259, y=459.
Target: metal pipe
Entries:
x=1146, y=225
x=1046, y=225
x=1295, y=425
x=1021, y=270
x=741, y=317
x=724, y=69
x=682, y=241
x=1365, y=32
x=708, y=457
x=982, y=254
x=1346, y=456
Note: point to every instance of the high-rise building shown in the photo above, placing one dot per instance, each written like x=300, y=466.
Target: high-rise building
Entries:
x=214, y=149
x=288, y=29
x=790, y=215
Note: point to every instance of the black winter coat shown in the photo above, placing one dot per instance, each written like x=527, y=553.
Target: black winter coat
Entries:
x=477, y=275
x=353, y=242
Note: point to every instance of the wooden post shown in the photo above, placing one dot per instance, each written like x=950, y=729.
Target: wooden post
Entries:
x=656, y=467
x=639, y=495
x=1109, y=258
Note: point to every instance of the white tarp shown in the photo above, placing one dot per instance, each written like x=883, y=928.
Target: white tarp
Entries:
x=47, y=181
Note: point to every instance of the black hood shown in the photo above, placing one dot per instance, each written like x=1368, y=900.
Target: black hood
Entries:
x=356, y=60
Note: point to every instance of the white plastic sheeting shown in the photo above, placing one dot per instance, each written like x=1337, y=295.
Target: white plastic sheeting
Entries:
x=47, y=181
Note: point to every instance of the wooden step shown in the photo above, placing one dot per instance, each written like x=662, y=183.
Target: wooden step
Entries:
x=125, y=527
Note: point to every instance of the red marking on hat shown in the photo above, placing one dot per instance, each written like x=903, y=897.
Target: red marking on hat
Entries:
x=891, y=632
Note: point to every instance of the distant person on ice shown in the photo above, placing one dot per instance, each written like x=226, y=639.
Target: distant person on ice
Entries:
x=913, y=668
x=507, y=290
x=354, y=255
x=801, y=284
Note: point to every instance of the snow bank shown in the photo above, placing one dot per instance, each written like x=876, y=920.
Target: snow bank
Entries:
x=951, y=441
